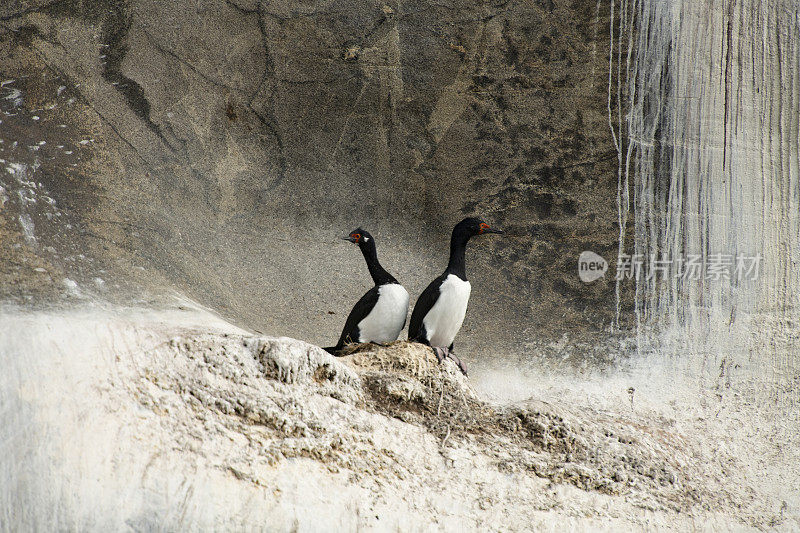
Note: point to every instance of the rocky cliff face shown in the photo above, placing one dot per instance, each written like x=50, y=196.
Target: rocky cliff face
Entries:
x=215, y=149
x=219, y=147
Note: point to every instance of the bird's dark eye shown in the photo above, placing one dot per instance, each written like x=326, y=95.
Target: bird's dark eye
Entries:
x=356, y=236
x=484, y=226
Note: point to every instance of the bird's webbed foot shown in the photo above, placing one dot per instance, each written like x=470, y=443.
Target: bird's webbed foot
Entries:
x=446, y=353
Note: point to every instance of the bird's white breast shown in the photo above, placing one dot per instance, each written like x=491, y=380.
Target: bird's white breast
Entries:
x=387, y=318
x=446, y=316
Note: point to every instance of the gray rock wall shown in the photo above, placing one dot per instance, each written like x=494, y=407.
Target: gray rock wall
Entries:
x=220, y=147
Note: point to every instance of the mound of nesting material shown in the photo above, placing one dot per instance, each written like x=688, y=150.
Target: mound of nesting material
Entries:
x=405, y=380
x=591, y=449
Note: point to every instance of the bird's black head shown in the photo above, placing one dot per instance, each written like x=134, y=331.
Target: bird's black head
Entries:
x=358, y=236
x=472, y=226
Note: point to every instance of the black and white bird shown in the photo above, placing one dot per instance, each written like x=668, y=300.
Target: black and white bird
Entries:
x=380, y=315
x=440, y=309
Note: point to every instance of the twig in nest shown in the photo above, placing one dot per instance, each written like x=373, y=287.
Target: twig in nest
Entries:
x=439, y=409
x=356, y=347
x=444, y=440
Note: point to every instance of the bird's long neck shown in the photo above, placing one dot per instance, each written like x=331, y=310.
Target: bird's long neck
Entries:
x=458, y=246
x=378, y=273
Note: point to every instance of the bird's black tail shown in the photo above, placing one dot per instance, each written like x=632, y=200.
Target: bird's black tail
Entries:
x=333, y=350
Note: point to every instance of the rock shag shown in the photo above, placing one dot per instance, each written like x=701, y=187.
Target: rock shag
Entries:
x=380, y=315
x=440, y=309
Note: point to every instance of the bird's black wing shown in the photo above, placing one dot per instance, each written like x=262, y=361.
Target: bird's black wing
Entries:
x=359, y=313
x=426, y=300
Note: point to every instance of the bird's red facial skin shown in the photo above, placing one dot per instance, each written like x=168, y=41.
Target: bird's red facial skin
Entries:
x=484, y=227
x=356, y=236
